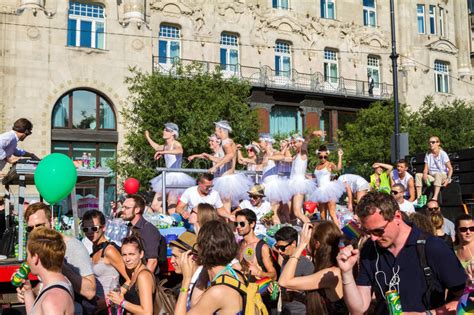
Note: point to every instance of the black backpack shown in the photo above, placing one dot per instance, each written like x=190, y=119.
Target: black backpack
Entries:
x=427, y=271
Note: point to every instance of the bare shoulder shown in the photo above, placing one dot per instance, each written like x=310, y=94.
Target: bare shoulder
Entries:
x=57, y=301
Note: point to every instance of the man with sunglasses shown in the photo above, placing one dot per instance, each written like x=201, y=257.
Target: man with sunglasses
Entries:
x=398, y=191
x=294, y=302
x=257, y=204
x=433, y=207
x=390, y=260
x=9, y=153
x=77, y=266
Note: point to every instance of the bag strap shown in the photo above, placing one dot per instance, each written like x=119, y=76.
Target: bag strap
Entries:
x=59, y=286
x=427, y=271
x=259, y=256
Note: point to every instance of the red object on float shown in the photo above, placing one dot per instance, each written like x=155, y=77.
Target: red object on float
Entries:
x=310, y=206
x=131, y=186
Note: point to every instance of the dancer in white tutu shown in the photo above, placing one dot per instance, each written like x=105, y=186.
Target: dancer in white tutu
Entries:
x=355, y=185
x=231, y=187
x=253, y=161
x=217, y=152
x=298, y=184
x=276, y=187
x=172, y=151
x=328, y=192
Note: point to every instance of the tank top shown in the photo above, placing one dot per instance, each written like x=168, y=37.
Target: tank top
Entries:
x=107, y=277
x=229, y=165
x=132, y=294
x=270, y=169
x=403, y=181
x=298, y=167
x=66, y=286
x=173, y=160
x=323, y=176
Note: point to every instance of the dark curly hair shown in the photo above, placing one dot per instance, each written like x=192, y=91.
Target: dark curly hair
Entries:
x=216, y=244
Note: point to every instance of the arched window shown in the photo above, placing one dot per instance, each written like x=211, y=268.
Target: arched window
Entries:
x=84, y=121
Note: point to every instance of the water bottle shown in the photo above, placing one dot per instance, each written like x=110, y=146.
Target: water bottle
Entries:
x=89, y=160
x=84, y=160
x=114, y=308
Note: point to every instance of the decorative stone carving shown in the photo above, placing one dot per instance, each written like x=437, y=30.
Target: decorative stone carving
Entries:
x=31, y=4
x=133, y=11
x=444, y=46
x=172, y=7
x=33, y=33
x=137, y=44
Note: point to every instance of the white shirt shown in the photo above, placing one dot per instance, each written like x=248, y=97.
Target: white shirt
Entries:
x=355, y=182
x=407, y=207
x=192, y=198
x=437, y=164
x=8, y=142
x=404, y=181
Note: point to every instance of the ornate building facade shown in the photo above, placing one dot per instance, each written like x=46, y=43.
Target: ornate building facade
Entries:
x=63, y=63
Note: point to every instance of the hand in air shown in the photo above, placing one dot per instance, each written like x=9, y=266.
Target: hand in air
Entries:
x=347, y=258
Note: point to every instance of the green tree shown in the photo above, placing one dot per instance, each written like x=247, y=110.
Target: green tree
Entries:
x=193, y=99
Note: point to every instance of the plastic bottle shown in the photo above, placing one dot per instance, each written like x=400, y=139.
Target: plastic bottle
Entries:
x=114, y=308
x=89, y=160
x=84, y=160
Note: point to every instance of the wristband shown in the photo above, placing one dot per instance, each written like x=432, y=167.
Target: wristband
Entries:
x=348, y=282
x=184, y=290
x=125, y=286
x=293, y=256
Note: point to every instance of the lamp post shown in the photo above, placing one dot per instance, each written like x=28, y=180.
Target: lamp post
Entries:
x=394, y=57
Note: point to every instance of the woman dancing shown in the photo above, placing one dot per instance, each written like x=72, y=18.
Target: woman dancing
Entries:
x=172, y=151
x=217, y=153
x=327, y=192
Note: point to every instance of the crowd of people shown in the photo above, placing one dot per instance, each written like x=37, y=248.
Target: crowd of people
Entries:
x=313, y=267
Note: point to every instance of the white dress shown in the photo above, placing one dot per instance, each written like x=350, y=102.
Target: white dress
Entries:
x=327, y=190
x=232, y=186
x=355, y=182
x=298, y=183
x=276, y=187
x=173, y=178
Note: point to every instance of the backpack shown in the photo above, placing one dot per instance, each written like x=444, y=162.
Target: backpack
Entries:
x=427, y=271
x=258, y=255
x=163, y=254
x=164, y=300
x=252, y=301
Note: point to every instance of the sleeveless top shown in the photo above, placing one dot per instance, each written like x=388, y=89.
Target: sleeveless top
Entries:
x=404, y=181
x=107, y=276
x=227, y=166
x=284, y=168
x=298, y=167
x=334, y=308
x=323, y=176
x=270, y=169
x=132, y=294
x=67, y=286
x=173, y=160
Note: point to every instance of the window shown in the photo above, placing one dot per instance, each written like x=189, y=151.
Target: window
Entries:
x=330, y=66
x=285, y=120
x=373, y=69
x=168, y=44
x=420, y=17
x=325, y=124
x=280, y=4
x=282, y=59
x=83, y=121
x=432, y=12
x=441, y=71
x=86, y=25
x=229, y=52
x=370, y=13
x=441, y=22
x=328, y=9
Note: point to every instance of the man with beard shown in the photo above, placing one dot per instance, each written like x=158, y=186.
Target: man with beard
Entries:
x=420, y=267
x=132, y=211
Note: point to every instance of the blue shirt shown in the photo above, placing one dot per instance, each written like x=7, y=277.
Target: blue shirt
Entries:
x=447, y=272
x=8, y=142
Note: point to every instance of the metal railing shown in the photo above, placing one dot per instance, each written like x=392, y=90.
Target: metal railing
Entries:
x=265, y=76
x=163, y=170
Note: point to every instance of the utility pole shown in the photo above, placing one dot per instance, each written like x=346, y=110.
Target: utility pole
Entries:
x=394, y=57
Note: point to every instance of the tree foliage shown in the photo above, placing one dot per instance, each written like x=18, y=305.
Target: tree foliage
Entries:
x=367, y=139
x=193, y=99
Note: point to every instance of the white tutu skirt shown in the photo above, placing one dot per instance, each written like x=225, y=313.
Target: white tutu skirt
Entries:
x=172, y=179
x=331, y=191
x=233, y=187
x=301, y=185
x=276, y=189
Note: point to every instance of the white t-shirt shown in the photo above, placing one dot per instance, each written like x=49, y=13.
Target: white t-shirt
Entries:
x=407, y=207
x=404, y=181
x=192, y=198
x=437, y=164
x=356, y=182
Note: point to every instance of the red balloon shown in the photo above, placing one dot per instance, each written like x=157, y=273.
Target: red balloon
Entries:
x=310, y=206
x=131, y=186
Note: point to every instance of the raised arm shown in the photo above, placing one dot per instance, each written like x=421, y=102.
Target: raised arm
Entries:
x=154, y=145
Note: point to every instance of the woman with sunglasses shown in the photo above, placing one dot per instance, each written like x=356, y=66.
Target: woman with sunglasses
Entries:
x=464, y=243
x=328, y=192
x=138, y=298
x=325, y=284
x=172, y=151
x=107, y=262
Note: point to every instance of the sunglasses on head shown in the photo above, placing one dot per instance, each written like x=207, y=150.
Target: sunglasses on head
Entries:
x=240, y=223
x=31, y=228
x=282, y=248
x=376, y=232
x=464, y=229
x=94, y=228
x=323, y=157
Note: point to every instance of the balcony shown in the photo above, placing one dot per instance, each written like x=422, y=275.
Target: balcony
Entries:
x=293, y=80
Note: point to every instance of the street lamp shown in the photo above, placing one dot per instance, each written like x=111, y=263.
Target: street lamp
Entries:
x=394, y=57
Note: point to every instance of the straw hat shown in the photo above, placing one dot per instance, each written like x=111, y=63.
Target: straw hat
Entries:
x=185, y=241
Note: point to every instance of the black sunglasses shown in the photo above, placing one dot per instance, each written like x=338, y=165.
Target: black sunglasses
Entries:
x=464, y=229
x=31, y=228
x=255, y=196
x=323, y=157
x=433, y=208
x=394, y=192
x=282, y=248
x=376, y=232
x=94, y=228
x=241, y=223
x=433, y=142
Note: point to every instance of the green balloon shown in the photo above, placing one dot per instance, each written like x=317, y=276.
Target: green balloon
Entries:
x=55, y=177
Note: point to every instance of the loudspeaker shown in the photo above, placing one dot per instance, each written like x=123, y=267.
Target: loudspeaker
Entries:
x=452, y=213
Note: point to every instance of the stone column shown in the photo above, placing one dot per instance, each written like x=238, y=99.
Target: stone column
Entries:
x=134, y=11
x=462, y=37
x=263, y=112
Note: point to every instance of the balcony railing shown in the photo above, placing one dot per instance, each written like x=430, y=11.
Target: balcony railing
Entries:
x=288, y=80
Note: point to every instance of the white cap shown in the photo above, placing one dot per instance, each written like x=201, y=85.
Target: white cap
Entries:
x=266, y=137
x=173, y=128
x=223, y=124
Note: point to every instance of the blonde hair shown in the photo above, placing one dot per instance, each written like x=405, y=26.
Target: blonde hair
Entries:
x=206, y=213
x=49, y=246
x=437, y=220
